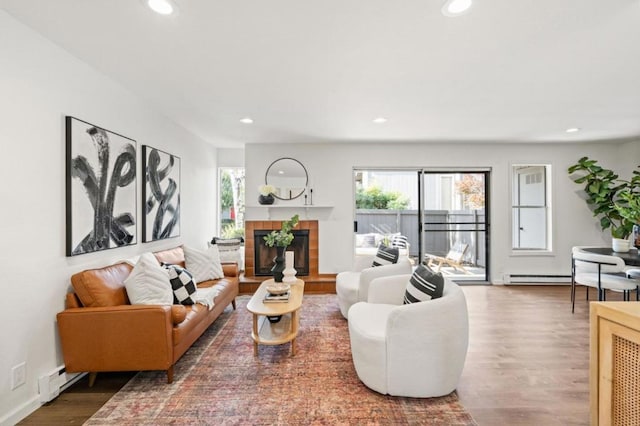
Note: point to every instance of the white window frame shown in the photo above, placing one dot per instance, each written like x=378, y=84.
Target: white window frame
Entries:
x=548, y=249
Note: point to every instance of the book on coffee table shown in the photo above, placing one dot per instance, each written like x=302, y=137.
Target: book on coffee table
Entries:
x=277, y=297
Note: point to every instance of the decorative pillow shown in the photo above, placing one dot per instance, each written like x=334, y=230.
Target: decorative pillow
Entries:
x=229, y=248
x=423, y=285
x=399, y=241
x=182, y=283
x=148, y=283
x=204, y=265
x=366, y=240
x=386, y=256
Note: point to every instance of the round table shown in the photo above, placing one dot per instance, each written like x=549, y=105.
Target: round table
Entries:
x=631, y=258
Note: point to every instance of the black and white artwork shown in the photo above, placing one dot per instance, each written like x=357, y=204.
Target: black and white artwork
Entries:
x=160, y=195
x=100, y=188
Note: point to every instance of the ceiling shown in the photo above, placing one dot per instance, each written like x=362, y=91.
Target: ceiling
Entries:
x=321, y=71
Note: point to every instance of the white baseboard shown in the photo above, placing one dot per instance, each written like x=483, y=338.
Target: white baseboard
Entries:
x=536, y=279
x=33, y=404
x=21, y=412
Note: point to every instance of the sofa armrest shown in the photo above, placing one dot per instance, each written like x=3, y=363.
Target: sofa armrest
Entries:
x=117, y=338
x=388, y=290
x=230, y=269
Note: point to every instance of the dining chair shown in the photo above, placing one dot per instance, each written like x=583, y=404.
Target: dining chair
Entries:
x=602, y=272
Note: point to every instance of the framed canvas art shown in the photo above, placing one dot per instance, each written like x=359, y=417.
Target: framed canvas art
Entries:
x=160, y=195
x=100, y=188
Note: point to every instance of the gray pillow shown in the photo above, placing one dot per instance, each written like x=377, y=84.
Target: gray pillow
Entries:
x=423, y=285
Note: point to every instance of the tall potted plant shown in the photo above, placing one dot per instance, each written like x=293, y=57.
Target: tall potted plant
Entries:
x=280, y=239
x=628, y=206
x=604, y=190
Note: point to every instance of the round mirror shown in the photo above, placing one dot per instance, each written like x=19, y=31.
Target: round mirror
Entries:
x=288, y=176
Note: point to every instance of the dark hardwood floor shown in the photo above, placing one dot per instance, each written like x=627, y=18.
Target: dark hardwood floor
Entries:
x=527, y=363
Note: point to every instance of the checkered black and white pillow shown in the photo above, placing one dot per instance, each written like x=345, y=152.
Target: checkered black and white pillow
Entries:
x=423, y=285
x=386, y=255
x=182, y=283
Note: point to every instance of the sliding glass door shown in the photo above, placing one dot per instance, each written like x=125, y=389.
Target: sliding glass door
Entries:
x=386, y=211
x=436, y=217
x=455, y=224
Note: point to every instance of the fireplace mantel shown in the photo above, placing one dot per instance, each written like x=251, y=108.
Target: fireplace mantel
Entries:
x=307, y=210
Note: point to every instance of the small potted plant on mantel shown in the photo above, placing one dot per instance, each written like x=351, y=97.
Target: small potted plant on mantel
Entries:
x=280, y=239
x=614, y=201
x=266, y=194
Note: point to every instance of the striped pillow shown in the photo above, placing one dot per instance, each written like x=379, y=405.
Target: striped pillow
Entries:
x=229, y=248
x=399, y=241
x=386, y=256
x=423, y=285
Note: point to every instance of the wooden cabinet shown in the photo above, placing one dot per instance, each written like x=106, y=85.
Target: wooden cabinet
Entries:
x=615, y=363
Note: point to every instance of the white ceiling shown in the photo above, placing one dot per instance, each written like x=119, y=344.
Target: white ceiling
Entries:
x=316, y=71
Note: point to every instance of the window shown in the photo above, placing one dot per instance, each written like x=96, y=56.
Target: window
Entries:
x=530, y=207
x=231, y=202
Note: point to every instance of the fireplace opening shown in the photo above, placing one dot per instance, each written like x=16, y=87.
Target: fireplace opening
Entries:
x=264, y=254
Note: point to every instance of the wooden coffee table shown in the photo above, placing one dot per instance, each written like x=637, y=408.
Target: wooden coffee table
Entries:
x=284, y=331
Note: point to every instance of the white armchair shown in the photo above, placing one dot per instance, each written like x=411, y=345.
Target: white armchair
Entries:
x=353, y=286
x=416, y=350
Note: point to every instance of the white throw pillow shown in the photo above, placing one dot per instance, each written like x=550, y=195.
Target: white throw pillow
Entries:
x=204, y=265
x=148, y=283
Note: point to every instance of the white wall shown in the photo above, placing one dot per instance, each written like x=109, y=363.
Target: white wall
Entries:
x=230, y=157
x=330, y=170
x=40, y=84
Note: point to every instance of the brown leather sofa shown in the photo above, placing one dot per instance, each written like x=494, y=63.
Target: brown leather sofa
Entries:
x=101, y=331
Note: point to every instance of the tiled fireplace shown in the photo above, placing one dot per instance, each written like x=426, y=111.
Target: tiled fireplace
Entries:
x=256, y=229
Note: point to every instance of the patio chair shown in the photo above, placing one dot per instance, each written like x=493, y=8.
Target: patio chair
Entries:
x=453, y=258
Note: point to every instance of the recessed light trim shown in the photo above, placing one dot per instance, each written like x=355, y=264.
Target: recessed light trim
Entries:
x=162, y=7
x=572, y=129
x=246, y=120
x=379, y=120
x=454, y=8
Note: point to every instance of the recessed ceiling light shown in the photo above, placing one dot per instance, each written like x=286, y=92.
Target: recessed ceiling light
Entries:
x=379, y=120
x=456, y=7
x=163, y=7
x=246, y=120
x=572, y=129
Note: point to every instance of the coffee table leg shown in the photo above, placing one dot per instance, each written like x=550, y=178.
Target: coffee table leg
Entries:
x=255, y=335
x=294, y=330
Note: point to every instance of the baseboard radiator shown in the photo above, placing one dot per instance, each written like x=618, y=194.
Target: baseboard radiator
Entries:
x=536, y=279
x=57, y=380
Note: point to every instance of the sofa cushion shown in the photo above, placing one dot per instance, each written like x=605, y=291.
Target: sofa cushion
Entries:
x=148, y=283
x=174, y=256
x=102, y=287
x=366, y=240
x=386, y=256
x=204, y=265
x=423, y=285
x=182, y=283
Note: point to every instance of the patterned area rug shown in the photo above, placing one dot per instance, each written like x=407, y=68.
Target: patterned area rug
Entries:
x=219, y=381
